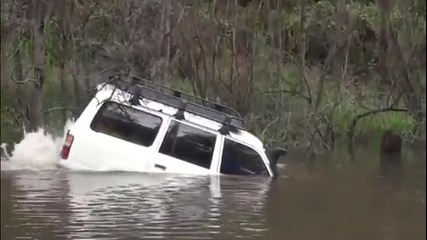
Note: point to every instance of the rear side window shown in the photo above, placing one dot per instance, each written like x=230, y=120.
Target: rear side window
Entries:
x=241, y=160
x=127, y=123
x=189, y=144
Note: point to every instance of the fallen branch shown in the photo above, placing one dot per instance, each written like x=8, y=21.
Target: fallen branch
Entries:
x=369, y=113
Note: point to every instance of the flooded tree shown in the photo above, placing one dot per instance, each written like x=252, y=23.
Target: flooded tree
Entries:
x=391, y=154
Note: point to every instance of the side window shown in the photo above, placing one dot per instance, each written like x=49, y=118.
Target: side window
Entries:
x=189, y=144
x=126, y=123
x=242, y=160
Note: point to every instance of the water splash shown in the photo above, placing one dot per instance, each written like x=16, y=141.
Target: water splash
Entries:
x=36, y=151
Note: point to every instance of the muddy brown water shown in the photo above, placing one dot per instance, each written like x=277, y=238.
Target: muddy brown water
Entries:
x=333, y=199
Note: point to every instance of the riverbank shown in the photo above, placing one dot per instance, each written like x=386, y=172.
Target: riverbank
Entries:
x=289, y=120
x=364, y=143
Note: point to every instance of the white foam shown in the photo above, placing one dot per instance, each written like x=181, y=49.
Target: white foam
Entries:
x=36, y=151
x=281, y=165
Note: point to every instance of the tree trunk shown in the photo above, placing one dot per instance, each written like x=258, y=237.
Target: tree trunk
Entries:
x=62, y=90
x=20, y=101
x=167, y=46
x=383, y=51
x=36, y=95
x=76, y=84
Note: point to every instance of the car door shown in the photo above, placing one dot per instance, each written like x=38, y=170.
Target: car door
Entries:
x=189, y=149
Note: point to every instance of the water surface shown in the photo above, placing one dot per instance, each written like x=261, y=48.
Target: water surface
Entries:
x=334, y=199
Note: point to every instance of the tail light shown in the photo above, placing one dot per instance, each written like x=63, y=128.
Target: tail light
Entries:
x=65, y=151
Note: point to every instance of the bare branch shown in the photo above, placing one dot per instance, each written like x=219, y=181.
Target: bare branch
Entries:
x=292, y=92
x=16, y=116
x=227, y=86
x=324, y=141
x=181, y=14
x=23, y=80
x=98, y=73
x=58, y=108
x=269, y=125
x=369, y=113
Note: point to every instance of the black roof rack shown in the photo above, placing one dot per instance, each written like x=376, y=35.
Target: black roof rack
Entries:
x=175, y=98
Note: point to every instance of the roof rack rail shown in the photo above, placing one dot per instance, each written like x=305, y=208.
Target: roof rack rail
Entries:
x=175, y=98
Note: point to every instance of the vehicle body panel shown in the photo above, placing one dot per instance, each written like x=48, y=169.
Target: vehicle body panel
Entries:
x=98, y=151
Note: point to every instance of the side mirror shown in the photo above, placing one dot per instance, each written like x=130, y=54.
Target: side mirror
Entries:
x=274, y=154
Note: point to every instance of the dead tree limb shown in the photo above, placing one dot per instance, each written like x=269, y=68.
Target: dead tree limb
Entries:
x=369, y=113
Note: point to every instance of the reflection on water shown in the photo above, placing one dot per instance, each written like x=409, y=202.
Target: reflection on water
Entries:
x=327, y=202
x=127, y=206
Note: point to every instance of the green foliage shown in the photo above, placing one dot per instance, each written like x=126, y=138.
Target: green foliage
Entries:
x=399, y=122
x=130, y=35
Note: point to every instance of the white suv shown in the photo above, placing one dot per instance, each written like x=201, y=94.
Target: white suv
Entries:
x=134, y=127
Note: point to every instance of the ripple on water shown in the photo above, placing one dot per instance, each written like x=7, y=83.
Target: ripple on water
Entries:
x=117, y=205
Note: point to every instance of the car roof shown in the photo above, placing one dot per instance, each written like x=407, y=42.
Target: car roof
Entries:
x=142, y=88
x=110, y=92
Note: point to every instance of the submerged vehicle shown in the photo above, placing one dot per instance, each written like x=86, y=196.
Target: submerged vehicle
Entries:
x=146, y=127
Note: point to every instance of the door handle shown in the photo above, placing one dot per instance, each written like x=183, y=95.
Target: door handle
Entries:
x=160, y=166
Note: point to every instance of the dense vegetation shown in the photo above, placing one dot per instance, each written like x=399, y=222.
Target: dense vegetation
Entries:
x=307, y=73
